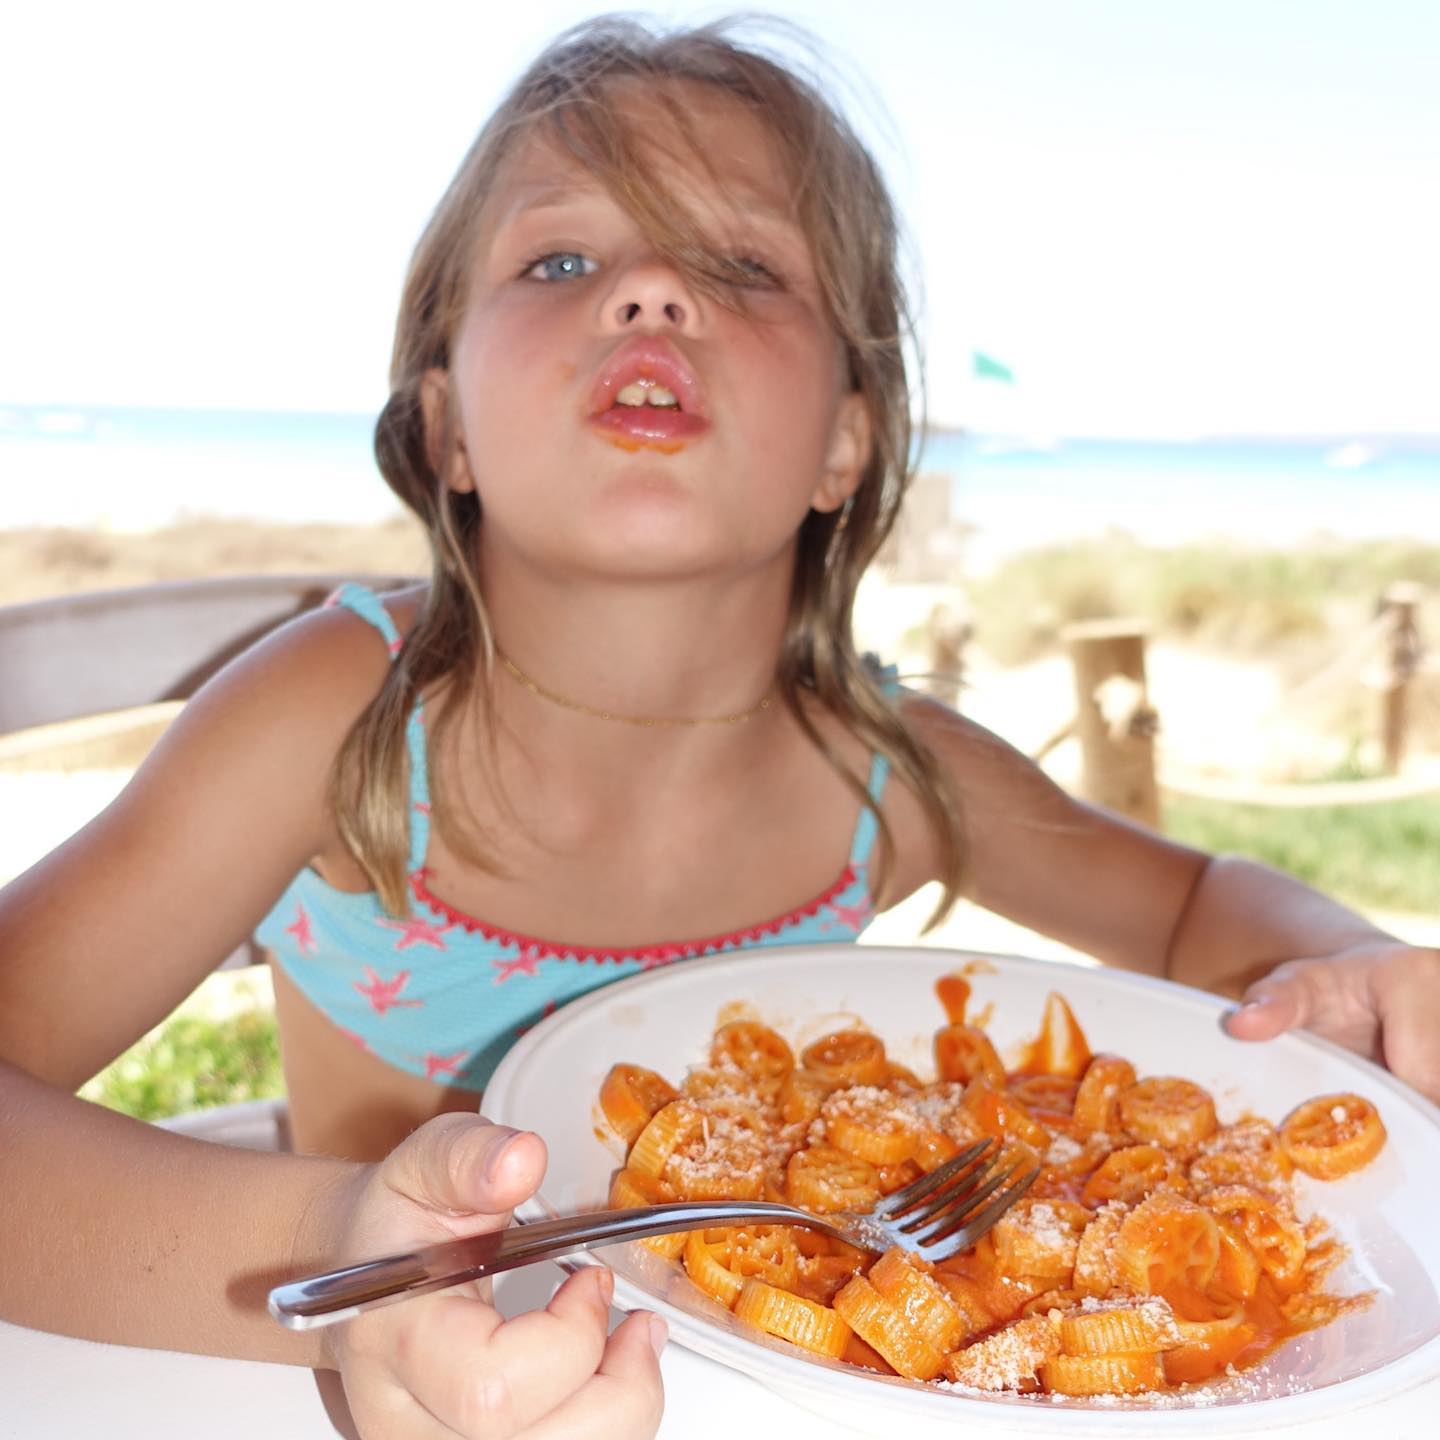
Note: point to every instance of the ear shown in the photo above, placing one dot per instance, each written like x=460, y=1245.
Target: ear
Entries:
x=848, y=455
x=444, y=443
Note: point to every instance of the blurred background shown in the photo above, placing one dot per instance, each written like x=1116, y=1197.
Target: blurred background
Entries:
x=1174, y=266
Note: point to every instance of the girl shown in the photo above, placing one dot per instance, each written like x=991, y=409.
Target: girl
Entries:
x=649, y=398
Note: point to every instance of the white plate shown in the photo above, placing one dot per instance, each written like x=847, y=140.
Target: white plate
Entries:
x=1387, y=1214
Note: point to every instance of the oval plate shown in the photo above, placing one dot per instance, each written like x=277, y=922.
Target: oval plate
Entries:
x=664, y=1019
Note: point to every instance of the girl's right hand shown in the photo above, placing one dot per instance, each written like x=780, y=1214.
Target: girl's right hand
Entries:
x=449, y=1364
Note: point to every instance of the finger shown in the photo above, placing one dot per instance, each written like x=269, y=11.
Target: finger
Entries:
x=460, y=1164
x=1406, y=999
x=626, y=1393
x=513, y=1372
x=1283, y=1000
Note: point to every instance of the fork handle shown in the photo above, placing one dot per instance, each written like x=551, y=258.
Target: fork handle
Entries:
x=342, y=1294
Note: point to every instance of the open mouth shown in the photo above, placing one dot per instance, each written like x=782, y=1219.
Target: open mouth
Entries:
x=646, y=395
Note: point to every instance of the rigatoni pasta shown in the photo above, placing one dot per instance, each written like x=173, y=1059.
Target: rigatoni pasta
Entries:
x=1157, y=1249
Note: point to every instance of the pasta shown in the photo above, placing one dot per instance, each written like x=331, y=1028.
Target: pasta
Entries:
x=1157, y=1249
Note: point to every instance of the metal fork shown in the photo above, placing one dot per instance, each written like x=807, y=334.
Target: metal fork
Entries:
x=935, y=1216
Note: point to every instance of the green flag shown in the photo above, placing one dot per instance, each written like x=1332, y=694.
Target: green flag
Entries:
x=986, y=368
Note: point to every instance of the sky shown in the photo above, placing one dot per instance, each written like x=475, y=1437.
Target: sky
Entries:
x=1165, y=217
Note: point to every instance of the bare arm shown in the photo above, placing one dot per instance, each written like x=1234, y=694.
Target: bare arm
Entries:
x=130, y=1234
x=1050, y=862
x=102, y=938
x=1244, y=918
x=1135, y=899
x=98, y=942
x=1300, y=960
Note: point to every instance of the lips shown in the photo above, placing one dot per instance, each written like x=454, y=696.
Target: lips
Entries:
x=649, y=363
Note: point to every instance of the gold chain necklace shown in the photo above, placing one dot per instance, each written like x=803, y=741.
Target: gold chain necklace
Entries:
x=653, y=722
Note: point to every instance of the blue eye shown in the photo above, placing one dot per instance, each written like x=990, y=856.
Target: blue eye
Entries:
x=560, y=265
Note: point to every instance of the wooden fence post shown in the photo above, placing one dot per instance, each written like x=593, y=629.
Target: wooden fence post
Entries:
x=947, y=633
x=1400, y=603
x=1113, y=716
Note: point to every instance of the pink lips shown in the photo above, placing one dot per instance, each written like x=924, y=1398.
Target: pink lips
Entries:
x=634, y=426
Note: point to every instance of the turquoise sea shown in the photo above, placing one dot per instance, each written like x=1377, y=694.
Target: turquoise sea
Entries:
x=134, y=469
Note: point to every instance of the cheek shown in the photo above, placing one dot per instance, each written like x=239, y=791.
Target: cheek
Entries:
x=510, y=378
x=802, y=353
x=795, y=391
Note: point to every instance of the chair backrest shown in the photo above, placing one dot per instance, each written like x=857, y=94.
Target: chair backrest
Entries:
x=106, y=650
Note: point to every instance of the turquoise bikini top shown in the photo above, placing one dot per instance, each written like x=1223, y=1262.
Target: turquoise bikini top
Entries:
x=443, y=994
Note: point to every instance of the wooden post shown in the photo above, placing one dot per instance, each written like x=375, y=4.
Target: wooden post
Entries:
x=1401, y=604
x=947, y=632
x=1113, y=717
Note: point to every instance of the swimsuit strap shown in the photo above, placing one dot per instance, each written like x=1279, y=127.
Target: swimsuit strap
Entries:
x=364, y=602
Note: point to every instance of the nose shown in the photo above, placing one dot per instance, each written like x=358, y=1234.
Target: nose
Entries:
x=648, y=294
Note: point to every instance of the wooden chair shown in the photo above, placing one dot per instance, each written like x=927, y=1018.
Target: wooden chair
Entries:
x=78, y=656
x=108, y=650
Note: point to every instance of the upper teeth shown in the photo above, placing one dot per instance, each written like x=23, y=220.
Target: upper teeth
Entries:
x=645, y=392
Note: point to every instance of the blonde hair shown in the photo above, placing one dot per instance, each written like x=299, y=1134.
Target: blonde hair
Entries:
x=845, y=211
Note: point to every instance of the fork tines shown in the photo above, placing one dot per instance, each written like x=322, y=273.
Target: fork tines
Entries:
x=944, y=1212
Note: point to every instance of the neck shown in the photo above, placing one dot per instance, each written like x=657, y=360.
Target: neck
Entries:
x=670, y=652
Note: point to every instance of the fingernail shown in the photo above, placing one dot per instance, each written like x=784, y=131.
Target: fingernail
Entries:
x=605, y=1281
x=497, y=1152
x=659, y=1334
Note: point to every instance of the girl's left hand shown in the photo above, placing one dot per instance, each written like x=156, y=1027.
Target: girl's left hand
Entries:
x=1380, y=998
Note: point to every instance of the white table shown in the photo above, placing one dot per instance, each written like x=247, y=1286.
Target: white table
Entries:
x=52, y=1388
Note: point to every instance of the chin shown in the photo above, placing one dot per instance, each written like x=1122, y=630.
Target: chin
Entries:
x=651, y=558
x=657, y=530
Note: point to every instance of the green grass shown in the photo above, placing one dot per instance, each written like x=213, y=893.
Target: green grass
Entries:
x=1379, y=857
x=191, y=1063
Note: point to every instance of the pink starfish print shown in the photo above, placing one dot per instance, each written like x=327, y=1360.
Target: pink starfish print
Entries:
x=850, y=917
x=360, y=1040
x=417, y=932
x=300, y=929
x=443, y=1064
x=524, y=963
x=383, y=995
x=550, y=1009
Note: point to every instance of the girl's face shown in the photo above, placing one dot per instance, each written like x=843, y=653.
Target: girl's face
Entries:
x=614, y=420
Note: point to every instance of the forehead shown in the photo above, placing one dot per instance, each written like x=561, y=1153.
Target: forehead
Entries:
x=701, y=147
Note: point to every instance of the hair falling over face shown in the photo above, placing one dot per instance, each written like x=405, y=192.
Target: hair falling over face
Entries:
x=571, y=94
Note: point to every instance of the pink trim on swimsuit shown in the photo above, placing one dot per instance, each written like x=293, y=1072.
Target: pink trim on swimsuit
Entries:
x=649, y=954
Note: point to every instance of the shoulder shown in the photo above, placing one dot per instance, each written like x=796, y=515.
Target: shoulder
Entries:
x=999, y=793
x=332, y=649
x=300, y=688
